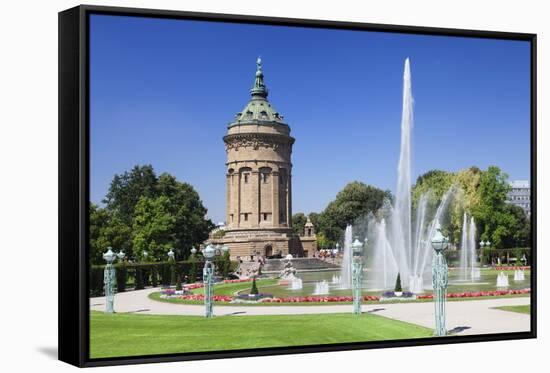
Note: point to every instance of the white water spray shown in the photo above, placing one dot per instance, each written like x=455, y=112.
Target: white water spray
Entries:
x=345, y=275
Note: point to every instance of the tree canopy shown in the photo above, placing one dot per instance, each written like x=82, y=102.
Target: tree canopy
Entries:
x=356, y=200
x=482, y=194
x=298, y=223
x=146, y=212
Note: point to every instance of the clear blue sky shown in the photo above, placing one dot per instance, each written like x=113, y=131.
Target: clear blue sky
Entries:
x=163, y=92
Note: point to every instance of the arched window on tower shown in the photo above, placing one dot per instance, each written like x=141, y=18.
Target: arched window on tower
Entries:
x=265, y=173
x=245, y=174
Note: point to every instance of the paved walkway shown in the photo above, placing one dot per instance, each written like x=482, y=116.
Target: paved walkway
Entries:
x=465, y=317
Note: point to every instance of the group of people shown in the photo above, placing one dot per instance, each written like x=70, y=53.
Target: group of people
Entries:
x=324, y=254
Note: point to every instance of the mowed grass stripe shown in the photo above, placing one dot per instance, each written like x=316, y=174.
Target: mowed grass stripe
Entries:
x=134, y=334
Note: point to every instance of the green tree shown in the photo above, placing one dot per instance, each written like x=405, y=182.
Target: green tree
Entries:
x=126, y=190
x=491, y=214
x=398, y=287
x=99, y=221
x=298, y=223
x=153, y=228
x=314, y=218
x=481, y=194
x=223, y=264
x=254, y=289
x=322, y=242
x=107, y=230
x=436, y=182
x=356, y=200
x=191, y=227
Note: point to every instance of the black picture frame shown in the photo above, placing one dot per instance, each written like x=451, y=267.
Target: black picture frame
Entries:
x=74, y=182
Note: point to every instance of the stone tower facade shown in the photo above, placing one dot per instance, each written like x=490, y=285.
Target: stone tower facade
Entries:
x=259, y=180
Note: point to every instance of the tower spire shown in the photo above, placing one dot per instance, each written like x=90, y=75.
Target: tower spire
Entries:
x=259, y=88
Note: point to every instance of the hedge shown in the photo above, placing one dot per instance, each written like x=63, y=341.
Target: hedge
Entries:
x=453, y=256
x=140, y=275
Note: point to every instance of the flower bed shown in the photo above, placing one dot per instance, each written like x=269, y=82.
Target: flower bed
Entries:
x=327, y=298
x=200, y=297
x=332, y=299
x=475, y=294
x=318, y=299
x=512, y=268
x=254, y=296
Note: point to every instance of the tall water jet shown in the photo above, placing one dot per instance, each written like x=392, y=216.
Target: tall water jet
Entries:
x=396, y=247
x=464, y=242
x=474, y=266
x=384, y=266
x=425, y=252
x=469, y=267
x=401, y=219
x=345, y=271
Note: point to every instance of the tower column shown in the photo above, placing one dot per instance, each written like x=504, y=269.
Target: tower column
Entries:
x=255, y=180
x=238, y=201
x=228, y=194
x=235, y=199
x=288, y=200
x=275, y=198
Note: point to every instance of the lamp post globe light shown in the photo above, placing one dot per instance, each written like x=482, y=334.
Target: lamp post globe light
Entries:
x=357, y=274
x=208, y=271
x=440, y=279
x=145, y=254
x=109, y=280
x=171, y=255
x=193, y=250
x=121, y=255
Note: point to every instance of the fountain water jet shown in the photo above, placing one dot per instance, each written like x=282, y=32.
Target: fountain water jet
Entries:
x=519, y=275
x=474, y=267
x=502, y=280
x=395, y=248
x=296, y=284
x=345, y=271
x=469, y=267
x=321, y=288
x=384, y=268
x=464, y=249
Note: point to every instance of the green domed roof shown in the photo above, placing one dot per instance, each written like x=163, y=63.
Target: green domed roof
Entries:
x=258, y=110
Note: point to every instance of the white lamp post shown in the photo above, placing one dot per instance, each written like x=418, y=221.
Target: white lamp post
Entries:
x=109, y=280
x=208, y=271
x=357, y=274
x=440, y=280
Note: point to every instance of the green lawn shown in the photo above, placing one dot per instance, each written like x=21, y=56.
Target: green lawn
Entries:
x=521, y=309
x=134, y=334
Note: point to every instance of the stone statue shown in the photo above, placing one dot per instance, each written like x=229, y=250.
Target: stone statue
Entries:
x=288, y=272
